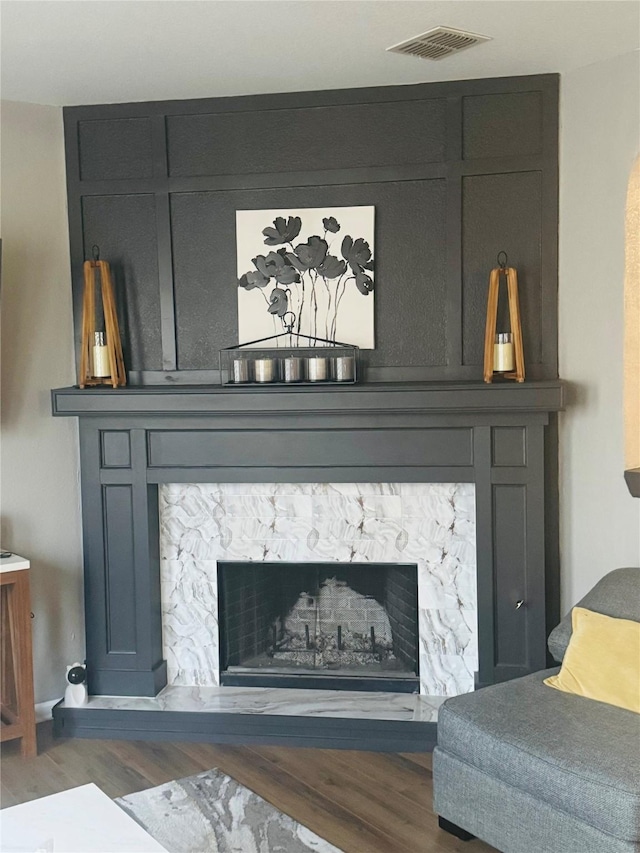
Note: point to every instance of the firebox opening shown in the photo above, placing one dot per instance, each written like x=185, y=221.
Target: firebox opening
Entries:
x=334, y=625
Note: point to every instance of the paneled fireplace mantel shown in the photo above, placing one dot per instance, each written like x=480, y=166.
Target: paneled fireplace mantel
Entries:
x=501, y=437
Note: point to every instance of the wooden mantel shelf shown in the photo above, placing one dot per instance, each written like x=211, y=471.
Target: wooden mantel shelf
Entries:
x=431, y=398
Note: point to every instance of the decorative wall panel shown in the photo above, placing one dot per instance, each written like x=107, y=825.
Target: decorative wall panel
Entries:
x=504, y=211
x=505, y=125
x=510, y=572
x=124, y=229
x=119, y=556
x=115, y=149
x=410, y=258
x=457, y=172
x=294, y=140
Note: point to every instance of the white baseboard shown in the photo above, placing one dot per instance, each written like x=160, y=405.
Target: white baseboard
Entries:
x=43, y=710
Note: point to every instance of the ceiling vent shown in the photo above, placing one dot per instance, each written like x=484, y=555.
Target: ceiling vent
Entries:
x=438, y=43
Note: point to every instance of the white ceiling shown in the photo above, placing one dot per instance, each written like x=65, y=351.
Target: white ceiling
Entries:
x=92, y=51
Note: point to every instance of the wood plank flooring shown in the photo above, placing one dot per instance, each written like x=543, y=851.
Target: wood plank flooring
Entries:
x=363, y=802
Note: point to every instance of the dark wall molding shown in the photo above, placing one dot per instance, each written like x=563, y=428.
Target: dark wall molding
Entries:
x=472, y=169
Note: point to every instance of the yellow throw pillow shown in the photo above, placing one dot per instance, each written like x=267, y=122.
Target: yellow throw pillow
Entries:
x=602, y=660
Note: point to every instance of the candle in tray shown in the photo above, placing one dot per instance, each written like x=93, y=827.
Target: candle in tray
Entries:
x=100, y=356
x=317, y=369
x=264, y=369
x=292, y=369
x=241, y=372
x=503, y=360
x=343, y=368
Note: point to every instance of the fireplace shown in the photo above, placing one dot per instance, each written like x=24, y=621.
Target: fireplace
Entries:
x=155, y=531
x=271, y=555
x=319, y=625
x=455, y=479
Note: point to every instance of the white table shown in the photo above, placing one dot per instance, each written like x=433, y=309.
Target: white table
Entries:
x=81, y=820
x=13, y=563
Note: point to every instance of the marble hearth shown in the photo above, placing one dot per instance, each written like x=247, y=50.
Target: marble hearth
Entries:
x=431, y=525
x=279, y=702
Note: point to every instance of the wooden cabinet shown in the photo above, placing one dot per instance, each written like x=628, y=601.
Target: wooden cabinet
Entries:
x=17, y=712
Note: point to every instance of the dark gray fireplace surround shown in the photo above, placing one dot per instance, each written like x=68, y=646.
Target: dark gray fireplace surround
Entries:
x=501, y=437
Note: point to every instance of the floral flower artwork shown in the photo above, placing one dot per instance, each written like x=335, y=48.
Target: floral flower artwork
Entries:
x=312, y=269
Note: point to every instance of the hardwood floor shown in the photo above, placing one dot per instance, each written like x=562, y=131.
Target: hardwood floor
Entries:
x=363, y=802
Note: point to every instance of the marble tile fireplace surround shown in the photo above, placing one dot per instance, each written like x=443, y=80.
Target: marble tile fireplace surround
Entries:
x=431, y=525
x=455, y=480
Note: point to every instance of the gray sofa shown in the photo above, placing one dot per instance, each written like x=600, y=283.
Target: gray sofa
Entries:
x=530, y=769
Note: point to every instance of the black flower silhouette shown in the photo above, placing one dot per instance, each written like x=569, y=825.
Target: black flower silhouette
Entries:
x=295, y=261
x=321, y=278
x=356, y=253
x=284, y=230
x=332, y=267
x=364, y=283
x=252, y=279
x=279, y=302
x=331, y=224
x=310, y=254
x=275, y=265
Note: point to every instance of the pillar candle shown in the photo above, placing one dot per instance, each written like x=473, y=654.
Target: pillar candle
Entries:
x=503, y=360
x=100, y=356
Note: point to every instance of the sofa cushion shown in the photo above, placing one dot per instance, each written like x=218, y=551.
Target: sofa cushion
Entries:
x=602, y=660
x=616, y=594
x=578, y=755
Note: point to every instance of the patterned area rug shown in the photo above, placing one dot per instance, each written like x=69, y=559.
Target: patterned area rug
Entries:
x=212, y=813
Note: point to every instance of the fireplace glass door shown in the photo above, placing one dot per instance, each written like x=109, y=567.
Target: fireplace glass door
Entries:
x=334, y=625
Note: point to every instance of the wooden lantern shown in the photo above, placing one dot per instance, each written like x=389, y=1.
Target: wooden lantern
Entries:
x=490, y=344
x=101, y=361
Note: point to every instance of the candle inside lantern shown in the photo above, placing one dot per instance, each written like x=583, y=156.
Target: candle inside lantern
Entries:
x=100, y=356
x=503, y=360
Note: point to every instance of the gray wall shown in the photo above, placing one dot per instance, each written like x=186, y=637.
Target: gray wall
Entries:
x=600, y=521
x=40, y=493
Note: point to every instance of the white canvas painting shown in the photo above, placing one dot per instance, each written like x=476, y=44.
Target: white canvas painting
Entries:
x=310, y=269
